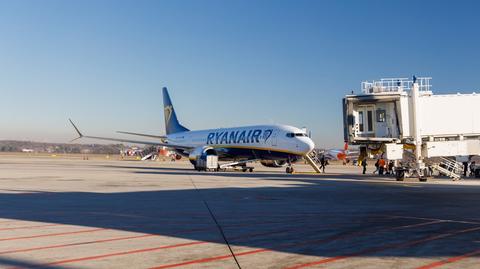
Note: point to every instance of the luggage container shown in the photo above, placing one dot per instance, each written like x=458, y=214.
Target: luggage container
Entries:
x=207, y=163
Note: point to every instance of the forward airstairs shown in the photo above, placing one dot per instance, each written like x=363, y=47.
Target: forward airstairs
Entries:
x=450, y=168
x=313, y=159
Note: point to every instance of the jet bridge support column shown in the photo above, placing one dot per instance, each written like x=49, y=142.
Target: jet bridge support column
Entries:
x=420, y=165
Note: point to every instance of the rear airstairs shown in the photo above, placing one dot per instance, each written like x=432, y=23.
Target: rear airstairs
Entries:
x=450, y=168
x=312, y=158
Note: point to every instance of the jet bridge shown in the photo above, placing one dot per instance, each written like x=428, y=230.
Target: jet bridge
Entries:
x=401, y=117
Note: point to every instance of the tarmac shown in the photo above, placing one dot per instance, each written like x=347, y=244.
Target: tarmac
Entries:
x=104, y=213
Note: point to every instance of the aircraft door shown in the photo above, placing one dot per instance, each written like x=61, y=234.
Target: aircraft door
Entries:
x=274, y=138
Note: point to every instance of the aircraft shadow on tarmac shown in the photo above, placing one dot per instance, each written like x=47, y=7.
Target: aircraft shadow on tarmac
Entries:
x=233, y=174
x=278, y=175
x=321, y=218
x=26, y=264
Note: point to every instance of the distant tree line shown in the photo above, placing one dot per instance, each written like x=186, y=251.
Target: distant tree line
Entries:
x=9, y=149
x=59, y=148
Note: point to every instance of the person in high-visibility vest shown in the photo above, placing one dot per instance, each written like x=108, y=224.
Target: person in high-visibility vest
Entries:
x=381, y=166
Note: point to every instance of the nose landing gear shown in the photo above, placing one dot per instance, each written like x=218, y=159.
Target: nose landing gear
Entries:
x=289, y=168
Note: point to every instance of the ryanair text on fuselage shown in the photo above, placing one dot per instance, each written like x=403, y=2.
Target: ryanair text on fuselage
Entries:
x=239, y=137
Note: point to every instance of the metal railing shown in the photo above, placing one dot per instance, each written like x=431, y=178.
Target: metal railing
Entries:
x=450, y=168
x=312, y=158
x=452, y=165
x=396, y=85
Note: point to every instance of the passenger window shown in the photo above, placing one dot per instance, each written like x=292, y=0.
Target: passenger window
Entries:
x=290, y=134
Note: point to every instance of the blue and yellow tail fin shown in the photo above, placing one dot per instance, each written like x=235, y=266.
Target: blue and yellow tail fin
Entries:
x=171, y=122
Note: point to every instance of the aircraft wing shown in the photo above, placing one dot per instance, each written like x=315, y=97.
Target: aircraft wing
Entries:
x=80, y=135
x=162, y=137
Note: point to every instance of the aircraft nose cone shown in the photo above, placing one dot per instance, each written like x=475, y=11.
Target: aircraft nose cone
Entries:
x=309, y=145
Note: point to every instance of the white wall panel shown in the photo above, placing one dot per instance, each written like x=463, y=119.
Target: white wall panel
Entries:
x=449, y=114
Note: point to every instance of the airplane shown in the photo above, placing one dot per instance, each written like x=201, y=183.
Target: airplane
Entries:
x=345, y=155
x=272, y=145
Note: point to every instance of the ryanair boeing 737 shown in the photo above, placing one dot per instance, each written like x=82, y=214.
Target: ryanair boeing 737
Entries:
x=272, y=145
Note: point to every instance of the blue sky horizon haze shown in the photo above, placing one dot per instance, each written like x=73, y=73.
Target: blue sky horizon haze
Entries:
x=226, y=63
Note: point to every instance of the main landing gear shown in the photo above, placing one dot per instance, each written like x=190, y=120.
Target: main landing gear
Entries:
x=249, y=169
x=246, y=168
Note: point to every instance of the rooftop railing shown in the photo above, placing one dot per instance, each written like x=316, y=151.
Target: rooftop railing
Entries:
x=396, y=85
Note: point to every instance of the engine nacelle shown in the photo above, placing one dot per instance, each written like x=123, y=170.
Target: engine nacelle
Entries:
x=276, y=163
x=200, y=151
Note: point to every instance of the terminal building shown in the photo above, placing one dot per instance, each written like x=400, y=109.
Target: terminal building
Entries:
x=405, y=121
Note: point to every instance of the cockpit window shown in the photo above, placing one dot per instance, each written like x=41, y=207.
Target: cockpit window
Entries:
x=296, y=134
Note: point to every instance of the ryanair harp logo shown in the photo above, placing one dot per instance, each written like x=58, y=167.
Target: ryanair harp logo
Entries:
x=168, y=113
x=267, y=134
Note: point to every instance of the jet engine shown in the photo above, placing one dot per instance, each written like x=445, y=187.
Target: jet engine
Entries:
x=273, y=163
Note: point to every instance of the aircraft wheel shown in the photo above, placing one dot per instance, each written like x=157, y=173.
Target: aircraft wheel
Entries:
x=251, y=170
x=422, y=179
x=400, y=175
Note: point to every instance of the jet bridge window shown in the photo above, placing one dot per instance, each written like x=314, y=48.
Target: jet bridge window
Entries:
x=381, y=115
x=360, y=121
x=370, y=120
x=290, y=134
x=365, y=119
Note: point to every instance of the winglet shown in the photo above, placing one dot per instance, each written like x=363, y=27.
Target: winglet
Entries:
x=80, y=135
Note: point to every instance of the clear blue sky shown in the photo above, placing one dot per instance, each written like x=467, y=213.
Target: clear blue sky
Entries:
x=226, y=63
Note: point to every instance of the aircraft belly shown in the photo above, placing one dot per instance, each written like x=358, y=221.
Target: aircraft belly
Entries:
x=245, y=153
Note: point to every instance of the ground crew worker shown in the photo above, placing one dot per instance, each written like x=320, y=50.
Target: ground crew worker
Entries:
x=390, y=167
x=323, y=163
x=376, y=166
x=364, y=165
x=381, y=166
x=465, y=168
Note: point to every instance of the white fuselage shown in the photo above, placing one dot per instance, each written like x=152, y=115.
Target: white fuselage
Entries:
x=270, y=138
